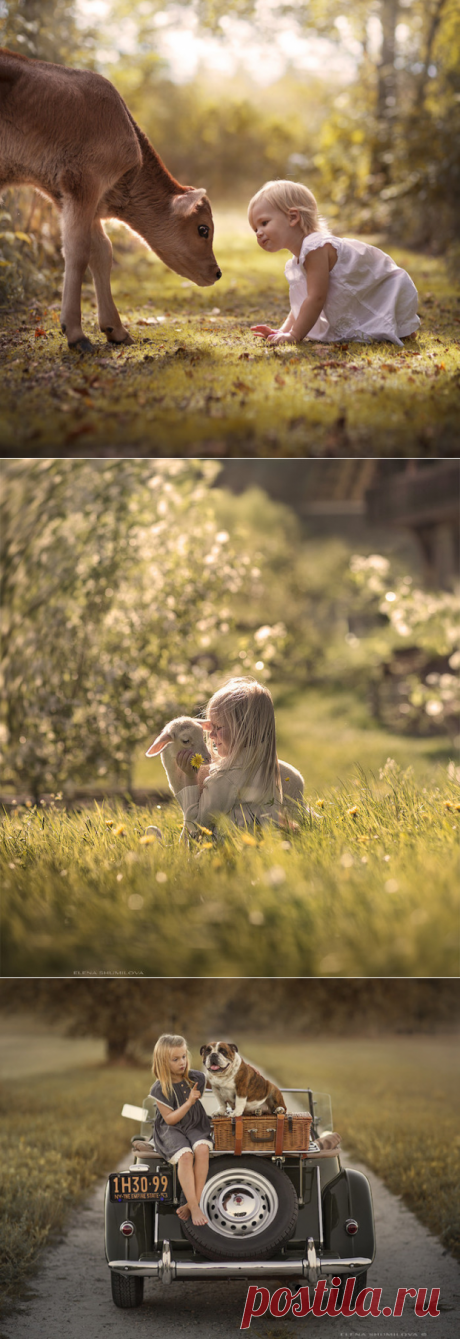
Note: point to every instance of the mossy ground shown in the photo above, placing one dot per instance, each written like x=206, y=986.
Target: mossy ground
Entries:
x=197, y=382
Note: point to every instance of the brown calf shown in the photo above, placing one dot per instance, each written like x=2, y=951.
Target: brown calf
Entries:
x=70, y=134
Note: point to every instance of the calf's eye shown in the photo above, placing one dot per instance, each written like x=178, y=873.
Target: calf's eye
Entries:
x=203, y=230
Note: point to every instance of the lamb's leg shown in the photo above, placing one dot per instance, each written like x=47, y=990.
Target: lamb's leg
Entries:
x=76, y=236
x=100, y=263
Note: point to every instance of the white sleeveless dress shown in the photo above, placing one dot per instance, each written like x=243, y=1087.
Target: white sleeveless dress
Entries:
x=369, y=297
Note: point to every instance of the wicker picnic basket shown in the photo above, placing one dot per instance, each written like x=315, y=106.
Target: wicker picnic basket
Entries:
x=284, y=1133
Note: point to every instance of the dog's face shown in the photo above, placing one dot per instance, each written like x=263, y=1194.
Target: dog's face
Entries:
x=219, y=1058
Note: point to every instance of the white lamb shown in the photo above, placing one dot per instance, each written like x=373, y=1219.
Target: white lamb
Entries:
x=183, y=733
x=187, y=732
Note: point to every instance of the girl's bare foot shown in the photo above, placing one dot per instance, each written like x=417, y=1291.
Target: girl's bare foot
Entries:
x=198, y=1217
x=183, y=1212
x=329, y=1140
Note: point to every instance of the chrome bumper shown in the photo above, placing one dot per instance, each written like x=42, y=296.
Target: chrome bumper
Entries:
x=311, y=1268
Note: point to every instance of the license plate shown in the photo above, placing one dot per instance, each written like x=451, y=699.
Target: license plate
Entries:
x=141, y=1185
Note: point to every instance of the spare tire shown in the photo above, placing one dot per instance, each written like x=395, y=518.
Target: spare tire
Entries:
x=251, y=1207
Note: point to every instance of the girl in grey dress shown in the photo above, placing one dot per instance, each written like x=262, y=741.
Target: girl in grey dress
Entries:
x=182, y=1129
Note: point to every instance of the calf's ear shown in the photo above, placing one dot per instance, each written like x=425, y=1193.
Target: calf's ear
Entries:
x=185, y=204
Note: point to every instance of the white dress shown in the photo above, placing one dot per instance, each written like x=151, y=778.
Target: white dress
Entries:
x=369, y=297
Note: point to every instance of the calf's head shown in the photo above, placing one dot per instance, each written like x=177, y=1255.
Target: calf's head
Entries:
x=187, y=242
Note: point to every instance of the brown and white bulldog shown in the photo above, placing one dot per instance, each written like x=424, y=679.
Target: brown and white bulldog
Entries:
x=235, y=1082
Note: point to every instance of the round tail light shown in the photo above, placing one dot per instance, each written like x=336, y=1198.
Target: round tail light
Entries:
x=351, y=1226
x=127, y=1229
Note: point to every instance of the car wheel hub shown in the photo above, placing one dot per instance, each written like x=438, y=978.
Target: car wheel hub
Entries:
x=239, y=1204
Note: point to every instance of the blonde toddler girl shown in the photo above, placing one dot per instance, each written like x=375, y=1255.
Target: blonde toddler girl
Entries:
x=340, y=289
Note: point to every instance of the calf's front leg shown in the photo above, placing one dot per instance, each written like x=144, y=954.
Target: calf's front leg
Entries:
x=100, y=264
x=76, y=236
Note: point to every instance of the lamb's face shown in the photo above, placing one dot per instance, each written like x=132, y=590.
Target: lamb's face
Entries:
x=187, y=733
x=183, y=733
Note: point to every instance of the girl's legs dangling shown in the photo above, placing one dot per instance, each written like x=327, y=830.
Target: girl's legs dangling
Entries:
x=186, y=1174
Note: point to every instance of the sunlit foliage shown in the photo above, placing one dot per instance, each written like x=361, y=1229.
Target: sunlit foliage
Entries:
x=116, y=588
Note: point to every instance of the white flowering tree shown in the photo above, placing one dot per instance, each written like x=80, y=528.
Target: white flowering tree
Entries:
x=425, y=620
x=118, y=593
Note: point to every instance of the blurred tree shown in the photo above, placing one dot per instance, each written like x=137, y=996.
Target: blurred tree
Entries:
x=118, y=587
x=131, y=1015
x=41, y=29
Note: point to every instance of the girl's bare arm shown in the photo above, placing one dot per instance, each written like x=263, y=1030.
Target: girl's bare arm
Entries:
x=316, y=265
x=173, y=1117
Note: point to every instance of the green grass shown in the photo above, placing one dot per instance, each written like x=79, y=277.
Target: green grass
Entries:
x=395, y=1103
x=199, y=383
x=59, y=1135
x=54, y=1148
x=369, y=888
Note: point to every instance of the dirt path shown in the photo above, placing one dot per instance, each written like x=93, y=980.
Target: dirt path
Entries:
x=71, y=1295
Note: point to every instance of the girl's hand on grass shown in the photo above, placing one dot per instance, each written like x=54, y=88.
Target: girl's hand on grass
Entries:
x=281, y=337
x=263, y=330
x=184, y=762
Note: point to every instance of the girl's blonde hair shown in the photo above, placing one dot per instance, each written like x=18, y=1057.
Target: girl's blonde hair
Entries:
x=161, y=1069
x=246, y=709
x=287, y=195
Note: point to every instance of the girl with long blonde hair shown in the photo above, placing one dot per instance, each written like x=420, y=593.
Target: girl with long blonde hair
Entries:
x=243, y=780
x=182, y=1129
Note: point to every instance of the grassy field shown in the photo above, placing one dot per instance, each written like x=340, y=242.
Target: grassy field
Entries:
x=394, y=1101
x=366, y=888
x=197, y=382
x=78, y=1113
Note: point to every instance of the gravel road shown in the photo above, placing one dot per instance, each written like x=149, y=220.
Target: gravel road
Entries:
x=71, y=1293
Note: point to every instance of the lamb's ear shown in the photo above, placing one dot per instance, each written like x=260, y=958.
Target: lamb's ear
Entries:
x=190, y=200
x=205, y=725
x=159, y=743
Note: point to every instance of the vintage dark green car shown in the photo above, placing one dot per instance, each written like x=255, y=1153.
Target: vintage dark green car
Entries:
x=299, y=1217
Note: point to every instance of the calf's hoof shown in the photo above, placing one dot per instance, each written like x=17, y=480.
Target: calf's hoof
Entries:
x=125, y=338
x=83, y=345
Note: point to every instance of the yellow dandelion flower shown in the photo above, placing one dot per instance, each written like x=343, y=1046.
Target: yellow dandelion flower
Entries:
x=448, y=804
x=109, y=822
x=207, y=831
x=319, y=804
x=248, y=839
x=353, y=811
x=457, y=808
x=148, y=840
x=119, y=831
x=197, y=761
x=207, y=846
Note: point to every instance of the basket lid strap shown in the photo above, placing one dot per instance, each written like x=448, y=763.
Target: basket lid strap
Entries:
x=238, y=1135
x=279, y=1133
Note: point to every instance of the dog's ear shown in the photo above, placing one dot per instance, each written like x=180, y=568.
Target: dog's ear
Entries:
x=203, y=1050
x=233, y=1045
